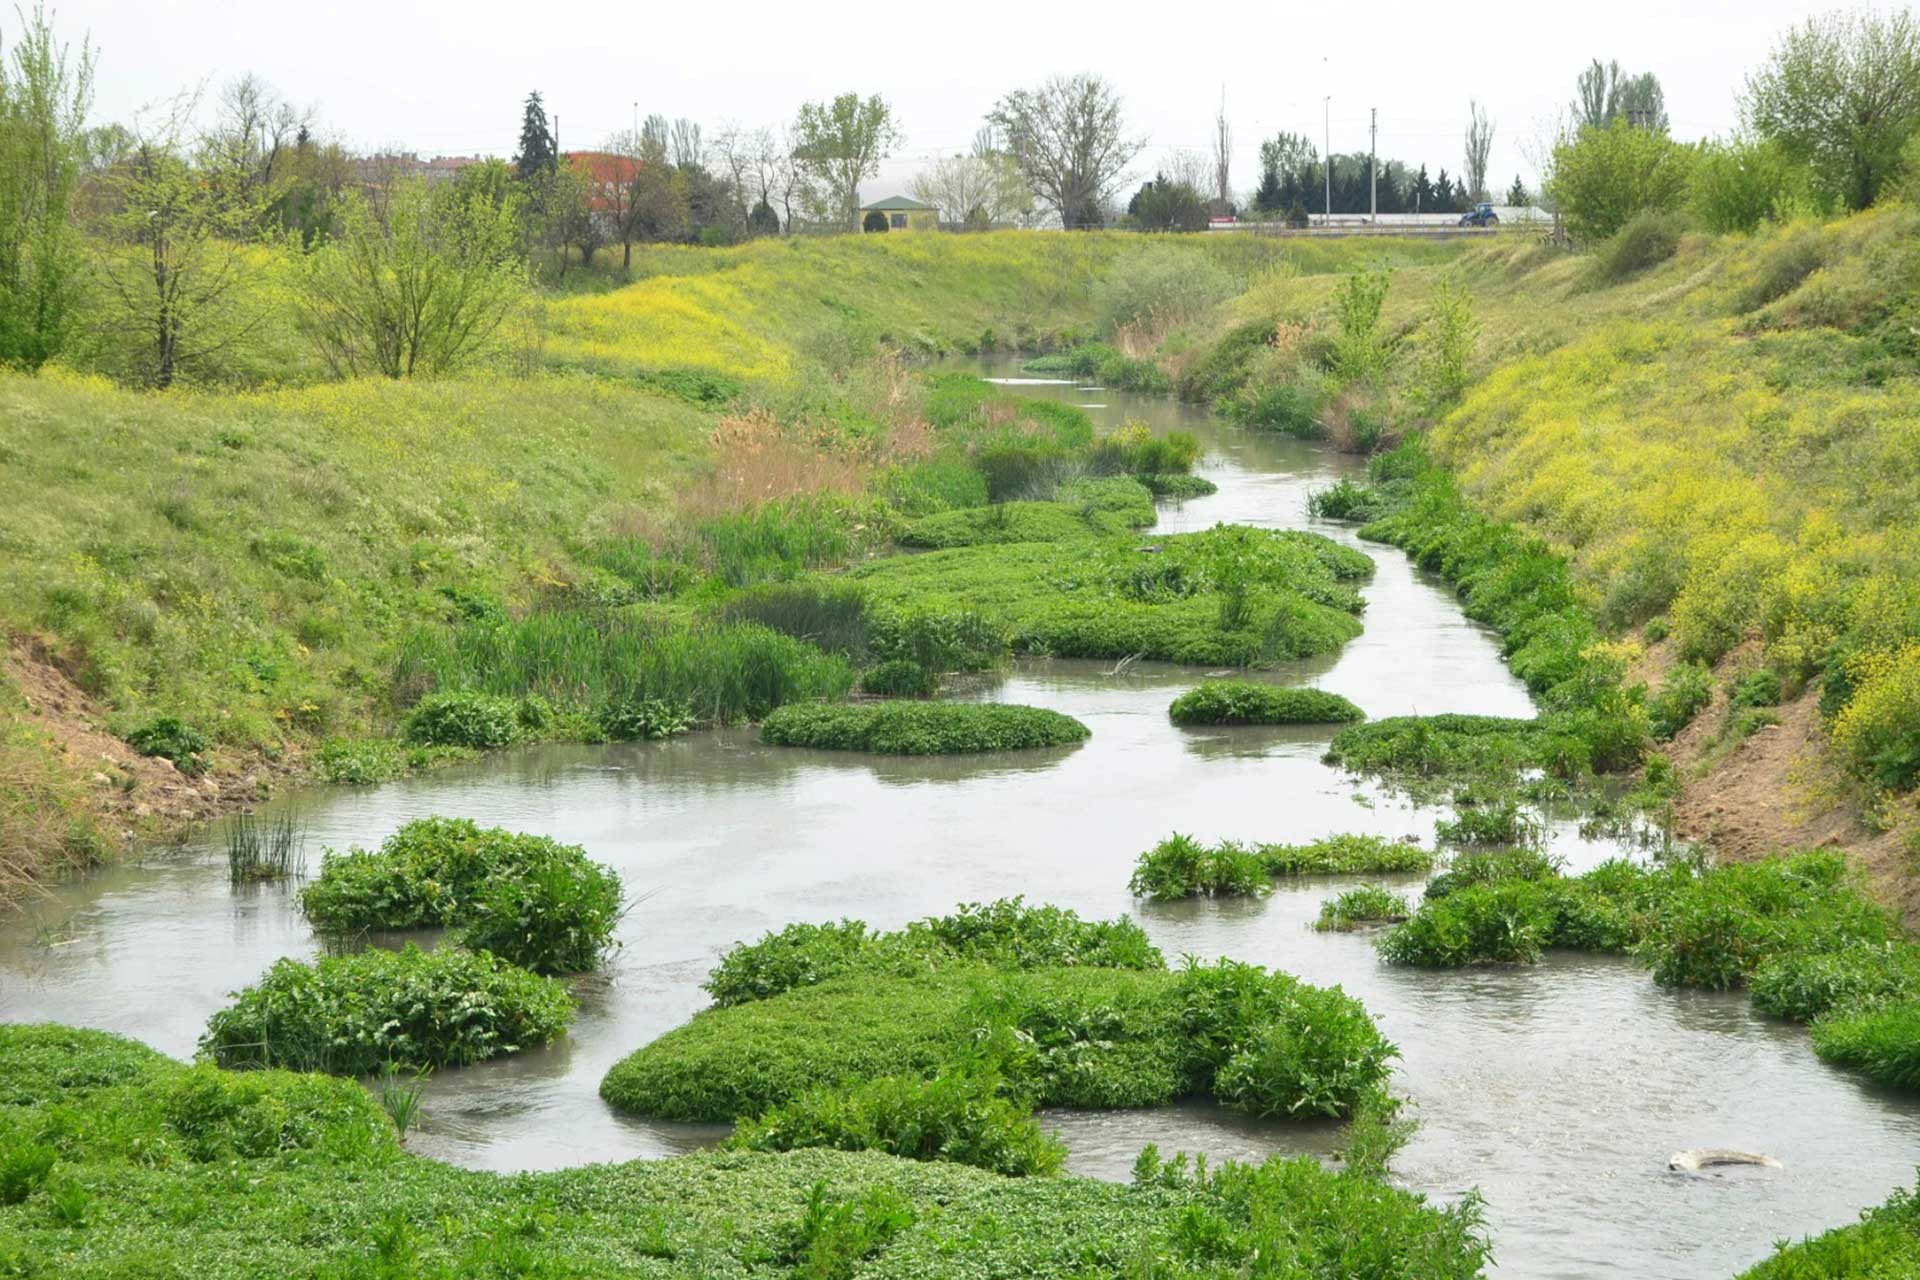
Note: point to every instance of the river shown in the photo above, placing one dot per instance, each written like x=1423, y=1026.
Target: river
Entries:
x=1557, y=1090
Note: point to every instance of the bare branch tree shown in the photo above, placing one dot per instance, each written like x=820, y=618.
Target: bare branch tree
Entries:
x=1068, y=138
x=1479, y=150
x=686, y=147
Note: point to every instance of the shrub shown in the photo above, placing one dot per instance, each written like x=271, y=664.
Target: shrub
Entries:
x=1881, y=1042
x=1511, y=920
x=352, y=1014
x=1753, y=689
x=1602, y=178
x=1181, y=867
x=1242, y=702
x=900, y=678
x=1345, y=500
x=1162, y=285
x=920, y=728
x=959, y=1115
x=554, y=913
x=1344, y=855
x=1369, y=904
x=1803, y=985
x=1877, y=735
x=1290, y=408
x=1360, y=350
x=1687, y=690
x=1006, y=934
x=1005, y=522
x=462, y=719
x=530, y=895
x=643, y=720
x=174, y=741
x=1648, y=239
x=1738, y=185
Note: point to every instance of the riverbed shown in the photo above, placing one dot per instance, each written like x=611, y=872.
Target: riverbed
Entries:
x=1558, y=1090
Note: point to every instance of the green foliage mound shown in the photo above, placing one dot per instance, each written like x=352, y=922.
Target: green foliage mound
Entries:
x=1885, y=1242
x=533, y=901
x=1880, y=1041
x=1006, y=934
x=1244, y=702
x=920, y=728
x=353, y=1014
x=959, y=1115
x=1063, y=1037
x=1005, y=522
x=1344, y=855
x=899, y=678
x=170, y=739
x=1181, y=867
x=1369, y=904
x=1803, y=985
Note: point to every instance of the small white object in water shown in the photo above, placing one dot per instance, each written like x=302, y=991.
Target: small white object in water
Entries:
x=1709, y=1157
x=1089, y=406
x=1088, y=390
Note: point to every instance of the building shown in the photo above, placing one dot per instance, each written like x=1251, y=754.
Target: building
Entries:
x=903, y=214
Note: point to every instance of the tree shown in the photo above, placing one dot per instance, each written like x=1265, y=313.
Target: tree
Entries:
x=538, y=151
x=1479, y=150
x=1739, y=184
x=1168, y=204
x=1222, y=160
x=840, y=144
x=558, y=214
x=1517, y=195
x=417, y=291
x=1289, y=171
x=1069, y=140
x=1605, y=93
x=254, y=130
x=175, y=239
x=684, y=145
x=965, y=189
x=45, y=90
x=628, y=155
x=1841, y=94
x=1603, y=177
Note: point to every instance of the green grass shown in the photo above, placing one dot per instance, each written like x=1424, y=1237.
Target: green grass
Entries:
x=1343, y=855
x=920, y=728
x=1243, y=702
x=223, y=1176
x=1016, y=522
x=1884, y=1243
x=1369, y=904
x=354, y=1014
x=1084, y=1037
x=1005, y=934
x=1230, y=596
x=1880, y=1041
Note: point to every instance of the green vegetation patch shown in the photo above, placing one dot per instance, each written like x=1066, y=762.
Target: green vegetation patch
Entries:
x=354, y=1014
x=1005, y=934
x=1885, y=1242
x=304, y=1178
x=1004, y=522
x=1062, y=1037
x=530, y=899
x=920, y=728
x=1229, y=596
x=1880, y=1041
x=1244, y=702
x=1369, y=904
x=1181, y=867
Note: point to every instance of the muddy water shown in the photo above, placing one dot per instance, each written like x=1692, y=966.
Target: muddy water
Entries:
x=1558, y=1091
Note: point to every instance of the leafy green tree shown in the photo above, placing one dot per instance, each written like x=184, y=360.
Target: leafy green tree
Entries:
x=45, y=90
x=1738, y=185
x=838, y=145
x=1168, y=204
x=419, y=290
x=1603, y=177
x=1841, y=95
x=175, y=238
x=538, y=151
x=1605, y=93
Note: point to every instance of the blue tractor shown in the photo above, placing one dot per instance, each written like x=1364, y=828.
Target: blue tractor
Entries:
x=1481, y=215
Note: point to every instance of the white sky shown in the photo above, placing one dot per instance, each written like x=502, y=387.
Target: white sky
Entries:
x=449, y=78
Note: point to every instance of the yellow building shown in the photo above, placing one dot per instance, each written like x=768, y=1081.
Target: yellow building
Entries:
x=902, y=214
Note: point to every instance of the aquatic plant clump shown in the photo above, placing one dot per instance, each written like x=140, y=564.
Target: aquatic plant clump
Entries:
x=920, y=728
x=528, y=898
x=353, y=1014
x=1345, y=855
x=1244, y=702
x=1084, y=1037
x=1006, y=934
x=142, y=1132
x=1181, y=867
x=1881, y=1042
x=1369, y=904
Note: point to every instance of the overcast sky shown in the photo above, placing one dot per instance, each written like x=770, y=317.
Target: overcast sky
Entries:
x=449, y=78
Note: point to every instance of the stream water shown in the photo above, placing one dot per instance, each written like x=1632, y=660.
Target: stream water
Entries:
x=1557, y=1090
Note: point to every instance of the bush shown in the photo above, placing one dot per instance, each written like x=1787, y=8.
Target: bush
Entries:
x=1290, y=408
x=1803, y=985
x=1162, y=285
x=353, y=1014
x=1648, y=239
x=1345, y=500
x=1007, y=934
x=900, y=678
x=1181, y=867
x=1738, y=185
x=959, y=1115
x=1369, y=904
x=1686, y=692
x=538, y=902
x=462, y=719
x=1344, y=855
x=1242, y=702
x=1510, y=920
x=920, y=728
x=643, y=720
x=1881, y=1042
x=1754, y=689
x=555, y=913
x=1602, y=178
x=172, y=740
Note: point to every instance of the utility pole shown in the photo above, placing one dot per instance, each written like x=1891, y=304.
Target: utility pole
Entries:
x=1373, y=167
x=1326, y=123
